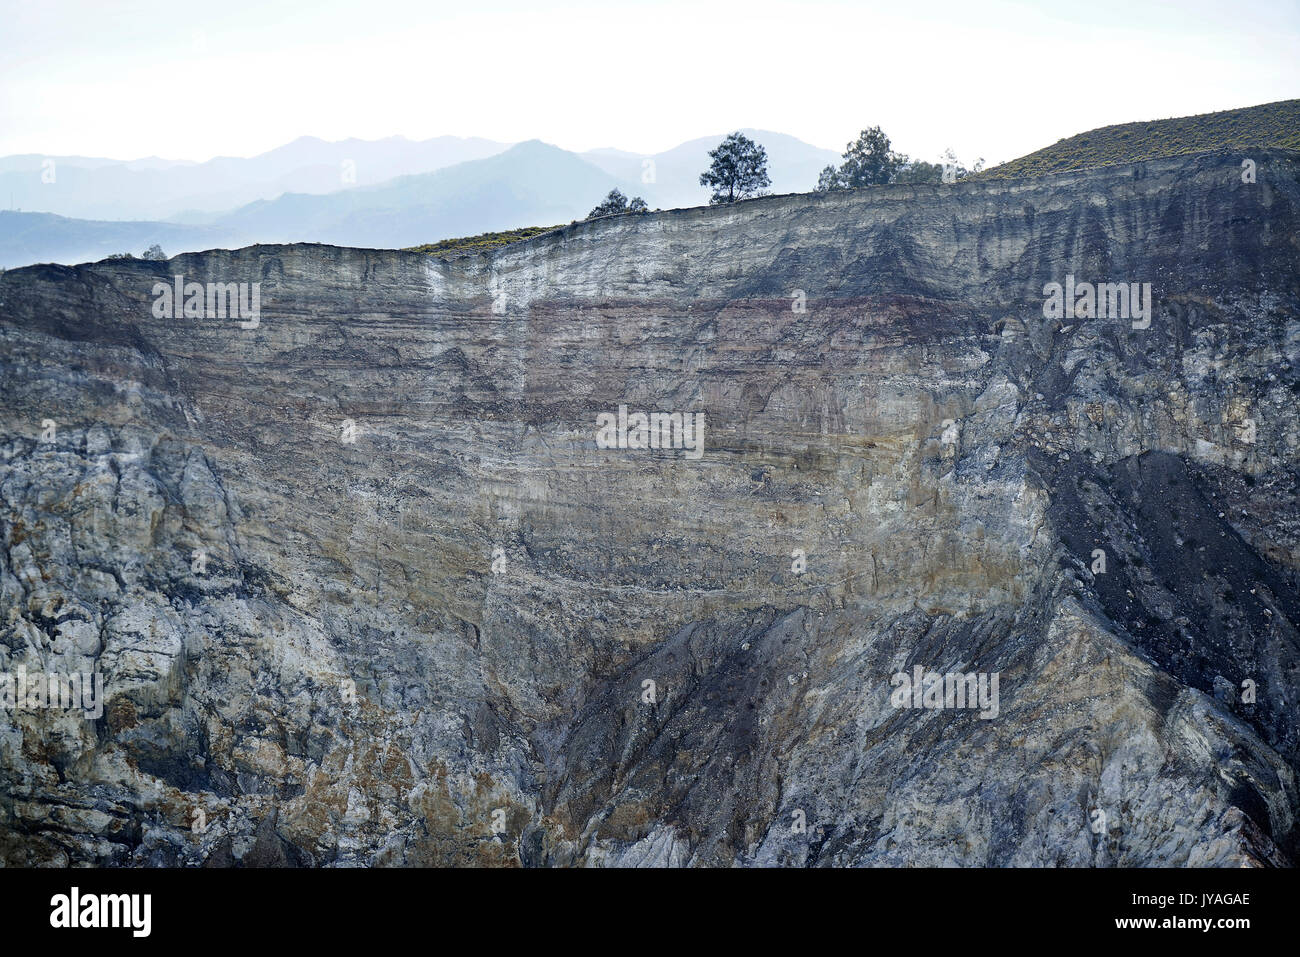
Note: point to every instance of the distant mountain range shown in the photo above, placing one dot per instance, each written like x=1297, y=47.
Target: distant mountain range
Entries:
x=528, y=183
x=89, y=188
x=27, y=238
x=405, y=193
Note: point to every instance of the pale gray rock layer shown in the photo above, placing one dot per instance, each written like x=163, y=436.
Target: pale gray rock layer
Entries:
x=915, y=469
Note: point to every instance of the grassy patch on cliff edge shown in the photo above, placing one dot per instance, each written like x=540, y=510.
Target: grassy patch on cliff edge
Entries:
x=484, y=241
x=1269, y=125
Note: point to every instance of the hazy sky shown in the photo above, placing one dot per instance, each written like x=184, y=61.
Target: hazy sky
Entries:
x=237, y=77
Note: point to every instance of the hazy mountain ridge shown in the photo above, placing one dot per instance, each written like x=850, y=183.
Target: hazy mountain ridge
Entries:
x=45, y=237
x=90, y=188
x=530, y=182
x=515, y=186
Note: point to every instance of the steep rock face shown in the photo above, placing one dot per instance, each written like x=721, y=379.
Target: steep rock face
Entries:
x=363, y=588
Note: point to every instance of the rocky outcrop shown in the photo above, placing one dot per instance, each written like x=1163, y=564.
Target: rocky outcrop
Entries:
x=364, y=588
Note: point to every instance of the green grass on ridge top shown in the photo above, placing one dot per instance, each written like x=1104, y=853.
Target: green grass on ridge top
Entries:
x=485, y=241
x=1270, y=125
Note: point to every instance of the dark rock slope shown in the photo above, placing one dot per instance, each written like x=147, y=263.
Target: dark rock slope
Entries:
x=432, y=644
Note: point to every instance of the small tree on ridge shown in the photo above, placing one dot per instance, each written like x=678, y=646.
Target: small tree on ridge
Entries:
x=616, y=204
x=739, y=169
